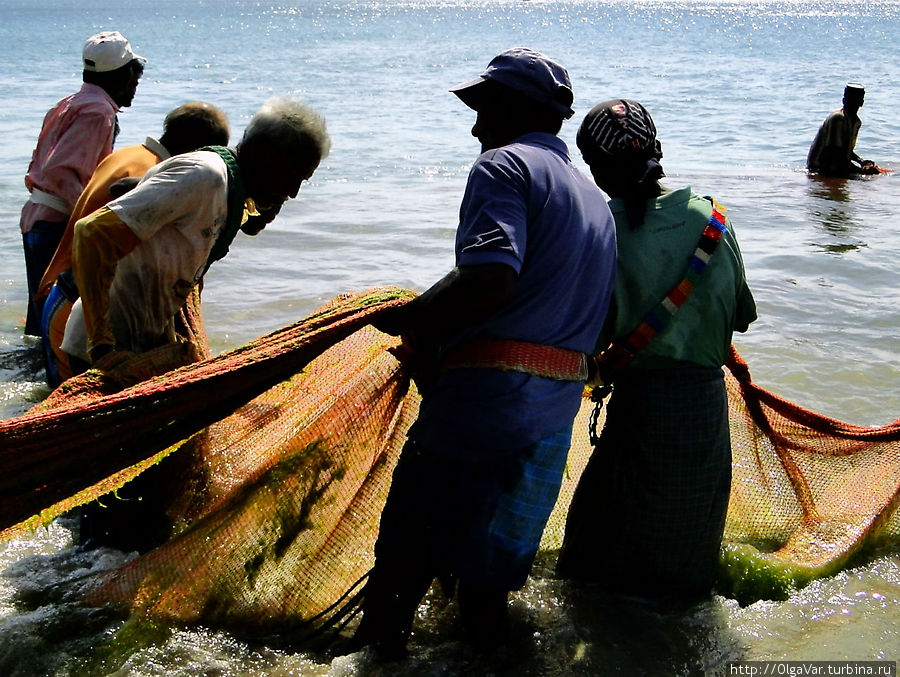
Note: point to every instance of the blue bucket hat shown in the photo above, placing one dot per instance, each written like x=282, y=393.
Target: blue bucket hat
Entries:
x=528, y=72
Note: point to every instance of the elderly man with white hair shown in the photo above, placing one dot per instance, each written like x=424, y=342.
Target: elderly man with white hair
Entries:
x=137, y=259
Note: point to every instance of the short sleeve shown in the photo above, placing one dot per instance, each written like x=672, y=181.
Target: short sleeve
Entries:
x=493, y=219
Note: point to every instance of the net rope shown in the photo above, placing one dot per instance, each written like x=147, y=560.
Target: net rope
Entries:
x=287, y=444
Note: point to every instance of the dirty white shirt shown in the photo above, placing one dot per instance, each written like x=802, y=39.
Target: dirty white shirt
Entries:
x=177, y=211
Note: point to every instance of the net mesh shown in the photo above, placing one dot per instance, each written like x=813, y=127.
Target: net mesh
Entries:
x=285, y=449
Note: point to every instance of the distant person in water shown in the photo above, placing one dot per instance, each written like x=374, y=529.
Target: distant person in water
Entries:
x=833, y=151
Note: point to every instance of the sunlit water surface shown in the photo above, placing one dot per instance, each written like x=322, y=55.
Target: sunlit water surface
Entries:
x=737, y=90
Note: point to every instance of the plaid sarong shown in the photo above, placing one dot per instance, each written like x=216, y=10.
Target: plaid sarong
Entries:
x=511, y=538
x=649, y=511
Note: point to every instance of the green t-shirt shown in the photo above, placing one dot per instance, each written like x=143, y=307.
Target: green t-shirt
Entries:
x=653, y=258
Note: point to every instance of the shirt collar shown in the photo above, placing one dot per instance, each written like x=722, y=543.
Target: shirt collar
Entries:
x=551, y=141
x=157, y=148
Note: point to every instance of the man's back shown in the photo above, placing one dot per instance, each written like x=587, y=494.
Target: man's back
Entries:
x=564, y=255
x=132, y=161
x=76, y=135
x=831, y=150
x=176, y=212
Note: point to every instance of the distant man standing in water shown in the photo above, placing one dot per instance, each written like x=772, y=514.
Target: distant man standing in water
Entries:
x=833, y=151
x=501, y=341
x=77, y=133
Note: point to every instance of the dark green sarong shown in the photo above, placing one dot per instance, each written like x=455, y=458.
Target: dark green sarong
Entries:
x=649, y=511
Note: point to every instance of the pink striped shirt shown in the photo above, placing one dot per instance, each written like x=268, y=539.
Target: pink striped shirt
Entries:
x=77, y=133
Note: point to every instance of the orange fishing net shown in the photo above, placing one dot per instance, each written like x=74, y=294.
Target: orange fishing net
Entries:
x=287, y=446
x=808, y=492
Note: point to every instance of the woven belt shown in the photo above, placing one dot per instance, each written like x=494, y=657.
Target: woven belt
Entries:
x=559, y=364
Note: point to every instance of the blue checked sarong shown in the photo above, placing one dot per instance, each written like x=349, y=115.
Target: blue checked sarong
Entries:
x=513, y=534
x=480, y=521
x=40, y=244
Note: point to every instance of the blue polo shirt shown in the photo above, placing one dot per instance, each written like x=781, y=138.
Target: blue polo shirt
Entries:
x=528, y=207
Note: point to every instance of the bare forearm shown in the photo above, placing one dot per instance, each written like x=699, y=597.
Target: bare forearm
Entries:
x=465, y=296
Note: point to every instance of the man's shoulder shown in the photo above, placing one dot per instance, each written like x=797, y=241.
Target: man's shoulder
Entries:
x=190, y=183
x=128, y=161
x=201, y=165
x=683, y=203
x=181, y=178
x=837, y=117
x=702, y=203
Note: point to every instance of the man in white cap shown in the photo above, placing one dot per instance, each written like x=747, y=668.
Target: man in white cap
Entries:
x=77, y=133
x=833, y=151
x=502, y=342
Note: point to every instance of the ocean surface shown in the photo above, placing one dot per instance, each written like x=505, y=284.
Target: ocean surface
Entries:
x=737, y=90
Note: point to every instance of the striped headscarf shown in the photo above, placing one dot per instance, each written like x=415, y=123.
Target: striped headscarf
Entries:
x=619, y=134
x=618, y=127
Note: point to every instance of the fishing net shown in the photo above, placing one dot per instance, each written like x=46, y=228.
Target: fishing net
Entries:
x=282, y=453
x=809, y=493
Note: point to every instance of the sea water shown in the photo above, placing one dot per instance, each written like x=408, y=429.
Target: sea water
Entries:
x=737, y=90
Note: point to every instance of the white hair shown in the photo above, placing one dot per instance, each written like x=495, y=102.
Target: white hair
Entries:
x=288, y=124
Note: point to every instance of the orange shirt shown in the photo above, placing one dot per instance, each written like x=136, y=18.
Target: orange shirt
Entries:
x=133, y=161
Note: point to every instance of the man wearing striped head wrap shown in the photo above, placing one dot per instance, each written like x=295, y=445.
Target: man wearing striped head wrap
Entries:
x=648, y=515
x=623, y=130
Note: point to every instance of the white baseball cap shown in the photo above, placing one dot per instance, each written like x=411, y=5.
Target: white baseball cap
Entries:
x=107, y=51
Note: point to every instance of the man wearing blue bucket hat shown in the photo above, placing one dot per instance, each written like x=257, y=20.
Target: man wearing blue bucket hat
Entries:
x=498, y=351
